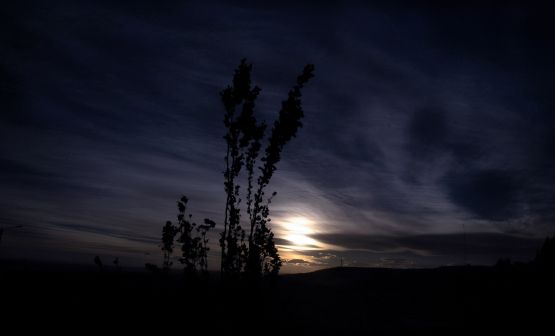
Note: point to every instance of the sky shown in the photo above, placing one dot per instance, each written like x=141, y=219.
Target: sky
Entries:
x=428, y=138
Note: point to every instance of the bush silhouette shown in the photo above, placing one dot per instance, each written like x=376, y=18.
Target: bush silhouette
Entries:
x=168, y=238
x=154, y=269
x=192, y=237
x=98, y=263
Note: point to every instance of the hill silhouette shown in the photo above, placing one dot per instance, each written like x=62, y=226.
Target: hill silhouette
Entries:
x=447, y=300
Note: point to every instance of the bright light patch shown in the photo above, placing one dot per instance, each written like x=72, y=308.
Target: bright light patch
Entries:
x=301, y=240
x=297, y=231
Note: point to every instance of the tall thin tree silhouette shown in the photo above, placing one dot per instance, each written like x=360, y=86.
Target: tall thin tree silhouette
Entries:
x=244, y=142
x=243, y=133
x=262, y=250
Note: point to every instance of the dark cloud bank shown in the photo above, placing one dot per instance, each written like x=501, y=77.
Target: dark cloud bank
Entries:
x=425, y=121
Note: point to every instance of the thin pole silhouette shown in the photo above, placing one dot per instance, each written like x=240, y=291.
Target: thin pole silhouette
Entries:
x=464, y=243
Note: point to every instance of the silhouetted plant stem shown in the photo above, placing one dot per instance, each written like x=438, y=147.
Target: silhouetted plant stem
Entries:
x=233, y=248
x=224, y=234
x=243, y=140
x=261, y=242
x=192, y=237
x=169, y=232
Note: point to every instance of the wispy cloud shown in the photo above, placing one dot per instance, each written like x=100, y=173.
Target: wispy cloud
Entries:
x=417, y=123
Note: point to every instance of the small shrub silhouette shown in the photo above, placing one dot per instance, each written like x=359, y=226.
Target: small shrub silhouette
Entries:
x=98, y=263
x=152, y=268
x=169, y=232
x=192, y=237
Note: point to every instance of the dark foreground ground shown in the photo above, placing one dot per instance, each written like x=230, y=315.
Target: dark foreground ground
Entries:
x=343, y=301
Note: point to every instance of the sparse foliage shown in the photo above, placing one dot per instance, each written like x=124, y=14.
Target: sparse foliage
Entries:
x=191, y=236
x=255, y=253
x=98, y=263
x=168, y=238
x=243, y=135
x=244, y=142
x=152, y=268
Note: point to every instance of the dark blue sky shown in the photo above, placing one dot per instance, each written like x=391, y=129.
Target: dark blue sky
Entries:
x=422, y=120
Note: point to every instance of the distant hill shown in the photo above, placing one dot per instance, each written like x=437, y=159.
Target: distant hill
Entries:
x=346, y=300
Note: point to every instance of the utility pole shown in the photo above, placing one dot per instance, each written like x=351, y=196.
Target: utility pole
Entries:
x=464, y=243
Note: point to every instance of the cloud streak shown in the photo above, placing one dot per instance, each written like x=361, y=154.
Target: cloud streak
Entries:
x=420, y=121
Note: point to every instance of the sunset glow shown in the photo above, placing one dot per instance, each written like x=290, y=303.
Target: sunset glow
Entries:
x=298, y=231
